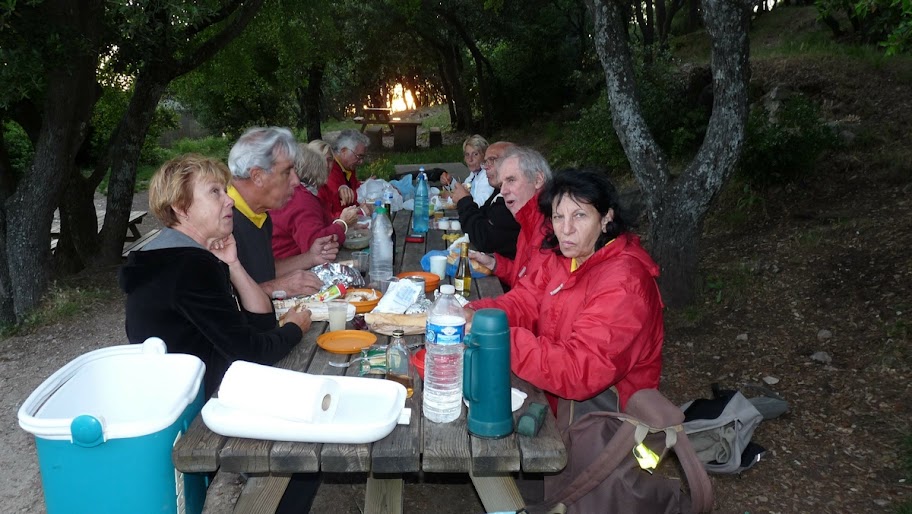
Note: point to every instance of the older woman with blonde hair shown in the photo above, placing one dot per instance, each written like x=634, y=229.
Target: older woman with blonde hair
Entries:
x=189, y=288
x=476, y=183
x=305, y=218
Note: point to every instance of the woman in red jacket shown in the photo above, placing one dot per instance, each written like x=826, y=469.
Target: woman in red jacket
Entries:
x=305, y=218
x=587, y=322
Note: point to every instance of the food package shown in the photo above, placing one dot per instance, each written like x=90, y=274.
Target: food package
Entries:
x=453, y=256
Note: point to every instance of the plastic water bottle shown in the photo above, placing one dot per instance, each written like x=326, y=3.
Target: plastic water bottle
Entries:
x=443, y=358
x=420, y=216
x=388, y=199
x=381, y=246
x=377, y=203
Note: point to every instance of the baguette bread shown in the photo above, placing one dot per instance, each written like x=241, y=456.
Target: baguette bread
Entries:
x=385, y=323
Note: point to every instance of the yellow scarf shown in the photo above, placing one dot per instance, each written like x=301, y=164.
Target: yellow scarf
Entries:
x=348, y=173
x=575, y=265
x=241, y=204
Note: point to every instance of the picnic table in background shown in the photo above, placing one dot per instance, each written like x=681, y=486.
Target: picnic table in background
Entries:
x=416, y=447
x=133, y=236
x=374, y=116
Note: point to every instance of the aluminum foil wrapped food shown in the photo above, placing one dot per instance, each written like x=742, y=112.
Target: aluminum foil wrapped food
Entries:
x=334, y=273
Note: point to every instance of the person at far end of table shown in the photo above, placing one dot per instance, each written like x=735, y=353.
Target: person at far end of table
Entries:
x=473, y=152
x=263, y=178
x=305, y=218
x=188, y=287
x=523, y=173
x=491, y=227
x=588, y=318
x=341, y=188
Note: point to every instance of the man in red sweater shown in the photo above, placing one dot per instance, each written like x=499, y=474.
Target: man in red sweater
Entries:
x=341, y=188
x=523, y=173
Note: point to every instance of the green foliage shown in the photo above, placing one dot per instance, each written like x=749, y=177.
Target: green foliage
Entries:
x=677, y=125
x=212, y=146
x=781, y=149
x=887, y=23
x=18, y=146
x=110, y=108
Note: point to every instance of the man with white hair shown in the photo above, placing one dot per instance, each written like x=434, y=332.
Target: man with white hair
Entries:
x=263, y=178
x=341, y=188
x=523, y=173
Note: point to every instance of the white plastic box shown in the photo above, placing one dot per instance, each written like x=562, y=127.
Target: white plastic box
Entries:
x=104, y=427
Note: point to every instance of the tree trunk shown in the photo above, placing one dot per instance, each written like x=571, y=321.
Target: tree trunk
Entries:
x=677, y=207
x=78, y=242
x=126, y=145
x=313, y=98
x=68, y=100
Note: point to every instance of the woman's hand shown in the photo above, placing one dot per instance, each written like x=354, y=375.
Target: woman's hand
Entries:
x=225, y=249
x=445, y=178
x=350, y=215
x=484, y=259
x=300, y=318
x=346, y=195
x=324, y=249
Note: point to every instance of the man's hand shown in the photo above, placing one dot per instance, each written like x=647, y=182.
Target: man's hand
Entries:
x=346, y=195
x=298, y=282
x=324, y=249
x=459, y=191
x=445, y=178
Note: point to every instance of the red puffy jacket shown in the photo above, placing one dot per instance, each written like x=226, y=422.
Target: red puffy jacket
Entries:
x=574, y=335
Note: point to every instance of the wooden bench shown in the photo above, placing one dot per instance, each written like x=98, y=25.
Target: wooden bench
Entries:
x=375, y=136
x=133, y=233
x=142, y=241
x=405, y=135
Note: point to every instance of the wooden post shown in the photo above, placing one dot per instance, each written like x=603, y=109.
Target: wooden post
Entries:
x=435, y=138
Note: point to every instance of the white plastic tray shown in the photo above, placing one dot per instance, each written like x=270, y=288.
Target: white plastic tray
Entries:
x=368, y=410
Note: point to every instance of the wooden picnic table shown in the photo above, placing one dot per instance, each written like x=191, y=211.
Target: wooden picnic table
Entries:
x=136, y=217
x=456, y=169
x=374, y=116
x=405, y=134
x=416, y=447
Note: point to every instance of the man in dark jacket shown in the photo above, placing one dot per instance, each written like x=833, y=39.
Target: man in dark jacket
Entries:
x=491, y=227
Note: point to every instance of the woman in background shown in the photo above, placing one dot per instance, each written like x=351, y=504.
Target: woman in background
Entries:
x=476, y=183
x=304, y=218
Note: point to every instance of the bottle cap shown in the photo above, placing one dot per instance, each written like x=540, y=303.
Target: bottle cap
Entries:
x=448, y=289
x=398, y=333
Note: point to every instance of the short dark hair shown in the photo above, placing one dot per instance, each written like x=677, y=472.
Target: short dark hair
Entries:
x=589, y=186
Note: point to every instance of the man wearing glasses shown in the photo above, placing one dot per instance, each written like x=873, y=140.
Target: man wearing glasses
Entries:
x=341, y=188
x=491, y=227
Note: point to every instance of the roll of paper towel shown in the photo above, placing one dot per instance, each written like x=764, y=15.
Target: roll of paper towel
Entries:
x=279, y=393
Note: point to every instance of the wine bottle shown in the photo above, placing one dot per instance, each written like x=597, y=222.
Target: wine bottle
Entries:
x=463, y=279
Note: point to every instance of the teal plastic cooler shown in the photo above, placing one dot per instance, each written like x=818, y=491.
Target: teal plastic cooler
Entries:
x=105, y=424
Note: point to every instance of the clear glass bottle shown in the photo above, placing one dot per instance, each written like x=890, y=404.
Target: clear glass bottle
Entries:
x=443, y=358
x=399, y=367
x=463, y=278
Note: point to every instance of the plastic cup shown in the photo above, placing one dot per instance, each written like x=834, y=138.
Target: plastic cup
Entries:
x=385, y=283
x=443, y=224
x=338, y=311
x=376, y=277
x=455, y=225
x=438, y=265
x=362, y=261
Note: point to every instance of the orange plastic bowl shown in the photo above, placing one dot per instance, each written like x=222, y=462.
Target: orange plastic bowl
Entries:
x=418, y=361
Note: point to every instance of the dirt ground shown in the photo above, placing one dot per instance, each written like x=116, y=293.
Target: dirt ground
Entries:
x=820, y=266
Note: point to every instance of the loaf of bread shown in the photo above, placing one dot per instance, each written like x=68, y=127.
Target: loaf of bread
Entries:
x=385, y=323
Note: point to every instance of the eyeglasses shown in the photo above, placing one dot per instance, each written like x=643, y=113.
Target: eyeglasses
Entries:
x=358, y=156
x=491, y=160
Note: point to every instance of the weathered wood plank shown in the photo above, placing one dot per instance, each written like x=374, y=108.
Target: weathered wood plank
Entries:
x=383, y=496
x=223, y=493
x=446, y=446
x=197, y=451
x=498, y=493
x=544, y=453
x=262, y=494
x=490, y=456
x=245, y=455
